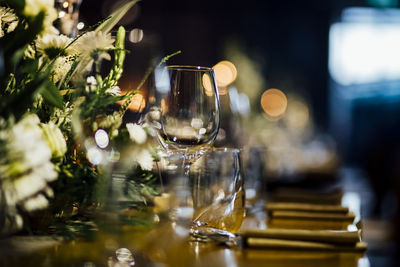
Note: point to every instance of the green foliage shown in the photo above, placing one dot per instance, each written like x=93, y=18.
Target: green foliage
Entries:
x=27, y=86
x=116, y=16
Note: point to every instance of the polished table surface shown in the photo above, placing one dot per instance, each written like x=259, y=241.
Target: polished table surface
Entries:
x=161, y=246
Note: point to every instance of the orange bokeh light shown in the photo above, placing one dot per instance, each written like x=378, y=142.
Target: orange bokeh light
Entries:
x=208, y=85
x=138, y=103
x=274, y=102
x=225, y=73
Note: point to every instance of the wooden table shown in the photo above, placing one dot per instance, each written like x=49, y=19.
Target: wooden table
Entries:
x=162, y=246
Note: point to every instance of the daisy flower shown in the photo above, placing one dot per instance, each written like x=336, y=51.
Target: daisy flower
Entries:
x=61, y=66
x=94, y=44
x=8, y=20
x=51, y=45
x=34, y=7
x=136, y=133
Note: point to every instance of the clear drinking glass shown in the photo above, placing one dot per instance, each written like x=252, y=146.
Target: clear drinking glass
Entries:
x=185, y=111
x=218, y=194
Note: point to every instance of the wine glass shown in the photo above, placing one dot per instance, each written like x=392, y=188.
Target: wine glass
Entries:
x=185, y=112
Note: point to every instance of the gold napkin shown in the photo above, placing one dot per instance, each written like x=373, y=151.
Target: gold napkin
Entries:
x=307, y=224
x=306, y=207
x=304, y=215
x=291, y=215
x=326, y=236
x=332, y=197
x=268, y=243
x=324, y=240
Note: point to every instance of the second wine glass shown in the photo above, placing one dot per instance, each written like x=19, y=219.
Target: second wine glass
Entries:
x=186, y=110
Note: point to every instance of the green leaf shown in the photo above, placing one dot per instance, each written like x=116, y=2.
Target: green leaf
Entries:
x=115, y=17
x=52, y=95
x=29, y=66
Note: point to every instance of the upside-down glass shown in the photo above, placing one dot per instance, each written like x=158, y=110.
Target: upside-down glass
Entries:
x=185, y=111
x=218, y=193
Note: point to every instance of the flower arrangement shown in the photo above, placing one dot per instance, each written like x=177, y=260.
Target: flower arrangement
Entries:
x=51, y=91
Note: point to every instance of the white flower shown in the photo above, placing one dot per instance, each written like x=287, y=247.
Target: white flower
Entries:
x=61, y=67
x=55, y=139
x=93, y=42
x=26, y=148
x=136, y=133
x=114, y=91
x=25, y=167
x=8, y=20
x=34, y=7
x=143, y=157
x=91, y=84
x=25, y=170
x=51, y=45
x=91, y=80
x=35, y=203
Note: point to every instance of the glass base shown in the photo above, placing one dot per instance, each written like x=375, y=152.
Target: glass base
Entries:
x=210, y=234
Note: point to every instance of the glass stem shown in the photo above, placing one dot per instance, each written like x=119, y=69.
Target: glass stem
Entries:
x=186, y=167
x=187, y=163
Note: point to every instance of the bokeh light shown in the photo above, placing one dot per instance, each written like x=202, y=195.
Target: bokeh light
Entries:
x=297, y=115
x=80, y=25
x=62, y=14
x=101, y=138
x=274, y=103
x=136, y=35
x=138, y=103
x=207, y=85
x=94, y=155
x=225, y=73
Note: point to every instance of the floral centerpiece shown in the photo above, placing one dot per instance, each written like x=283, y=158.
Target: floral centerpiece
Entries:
x=45, y=79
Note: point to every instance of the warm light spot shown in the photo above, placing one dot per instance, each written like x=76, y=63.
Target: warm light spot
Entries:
x=223, y=90
x=138, y=103
x=274, y=103
x=208, y=85
x=61, y=14
x=225, y=73
x=164, y=107
x=202, y=131
x=297, y=115
x=221, y=134
x=65, y=4
x=136, y=35
x=196, y=123
x=80, y=25
x=152, y=99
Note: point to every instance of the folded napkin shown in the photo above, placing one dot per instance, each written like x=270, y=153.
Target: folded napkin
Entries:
x=304, y=215
x=326, y=236
x=297, y=195
x=306, y=207
x=321, y=240
x=267, y=243
x=308, y=224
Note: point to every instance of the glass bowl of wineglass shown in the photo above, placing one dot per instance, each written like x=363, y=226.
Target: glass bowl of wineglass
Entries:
x=185, y=112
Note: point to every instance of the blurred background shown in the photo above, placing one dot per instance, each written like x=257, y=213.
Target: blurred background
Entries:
x=316, y=84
